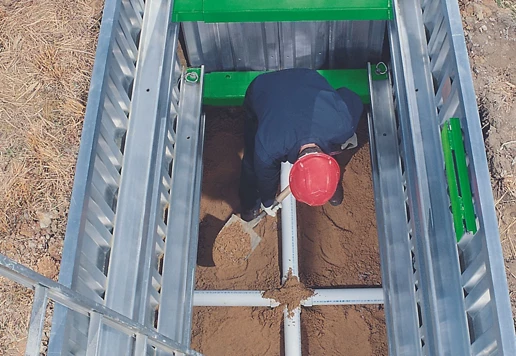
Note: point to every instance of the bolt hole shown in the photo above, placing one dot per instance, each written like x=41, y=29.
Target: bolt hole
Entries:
x=187, y=137
x=228, y=76
x=417, y=89
x=148, y=90
x=385, y=134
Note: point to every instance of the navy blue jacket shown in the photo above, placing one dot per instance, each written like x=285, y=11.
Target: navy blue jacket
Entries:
x=295, y=107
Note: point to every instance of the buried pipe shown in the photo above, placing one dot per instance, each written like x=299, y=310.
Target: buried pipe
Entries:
x=289, y=262
x=345, y=296
x=232, y=298
x=248, y=298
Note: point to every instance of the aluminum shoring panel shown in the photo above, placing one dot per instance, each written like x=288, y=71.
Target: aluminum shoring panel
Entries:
x=97, y=313
x=180, y=250
x=160, y=195
x=443, y=316
x=273, y=45
x=96, y=178
x=483, y=258
x=138, y=175
x=352, y=44
x=398, y=279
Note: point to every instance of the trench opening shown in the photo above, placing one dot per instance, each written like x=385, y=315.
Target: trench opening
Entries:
x=338, y=247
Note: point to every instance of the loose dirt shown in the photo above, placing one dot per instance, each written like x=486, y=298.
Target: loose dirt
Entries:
x=290, y=294
x=337, y=245
x=232, y=245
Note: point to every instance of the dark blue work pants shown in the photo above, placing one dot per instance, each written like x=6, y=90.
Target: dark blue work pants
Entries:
x=248, y=190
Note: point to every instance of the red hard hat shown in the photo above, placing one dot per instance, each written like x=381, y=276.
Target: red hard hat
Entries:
x=314, y=178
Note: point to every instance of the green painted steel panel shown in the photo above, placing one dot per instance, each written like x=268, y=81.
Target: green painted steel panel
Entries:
x=280, y=10
x=228, y=88
x=187, y=10
x=459, y=187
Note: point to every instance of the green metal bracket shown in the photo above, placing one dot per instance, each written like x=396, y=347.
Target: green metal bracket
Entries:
x=458, y=179
x=193, y=75
x=228, y=88
x=282, y=10
x=379, y=71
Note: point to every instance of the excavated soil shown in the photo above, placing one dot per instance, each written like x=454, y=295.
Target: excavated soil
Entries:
x=232, y=245
x=337, y=247
x=290, y=294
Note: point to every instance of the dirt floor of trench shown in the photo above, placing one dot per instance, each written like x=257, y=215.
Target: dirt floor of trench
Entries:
x=337, y=247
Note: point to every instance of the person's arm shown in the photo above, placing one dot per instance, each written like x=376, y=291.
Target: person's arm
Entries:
x=267, y=179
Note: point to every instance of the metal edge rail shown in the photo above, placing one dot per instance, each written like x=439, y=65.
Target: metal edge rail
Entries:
x=401, y=314
x=180, y=251
x=137, y=176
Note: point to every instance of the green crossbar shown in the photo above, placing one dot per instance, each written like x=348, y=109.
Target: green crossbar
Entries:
x=280, y=10
x=458, y=179
x=228, y=88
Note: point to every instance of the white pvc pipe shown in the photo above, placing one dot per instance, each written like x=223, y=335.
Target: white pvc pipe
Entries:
x=253, y=298
x=231, y=298
x=288, y=228
x=292, y=325
x=345, y=296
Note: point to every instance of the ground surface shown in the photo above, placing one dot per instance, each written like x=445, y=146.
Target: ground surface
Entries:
x=46, y=55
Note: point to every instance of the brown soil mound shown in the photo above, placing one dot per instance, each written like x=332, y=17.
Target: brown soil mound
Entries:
x=290, y=294
x=232, y=246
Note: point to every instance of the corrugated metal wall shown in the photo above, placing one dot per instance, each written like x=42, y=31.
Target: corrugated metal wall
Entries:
x=278, y=45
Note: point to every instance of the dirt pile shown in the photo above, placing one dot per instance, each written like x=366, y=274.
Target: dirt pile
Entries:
x=232, y=246
x=337, y=247
x=290, y=294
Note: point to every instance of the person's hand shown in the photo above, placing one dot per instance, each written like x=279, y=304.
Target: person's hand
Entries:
x=351, y=143
x=272, y=210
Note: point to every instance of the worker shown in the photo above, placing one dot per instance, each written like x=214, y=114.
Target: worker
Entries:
x=295, y=115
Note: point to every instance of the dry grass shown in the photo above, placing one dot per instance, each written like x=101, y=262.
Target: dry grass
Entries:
x=46, y=54
x=508, y=4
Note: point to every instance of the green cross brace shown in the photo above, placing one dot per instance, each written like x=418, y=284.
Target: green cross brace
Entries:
x=280, y=10
x=228, y=88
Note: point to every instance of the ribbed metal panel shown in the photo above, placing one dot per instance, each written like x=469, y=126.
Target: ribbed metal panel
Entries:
x=278, y=45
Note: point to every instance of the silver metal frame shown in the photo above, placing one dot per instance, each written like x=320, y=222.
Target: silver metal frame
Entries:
x=461, y=290
x=140, y=134
x=46, y=289
x=394, y=230
x=97, y=177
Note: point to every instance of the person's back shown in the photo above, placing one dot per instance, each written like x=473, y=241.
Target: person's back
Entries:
x=298, y=106
x=286, y=111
